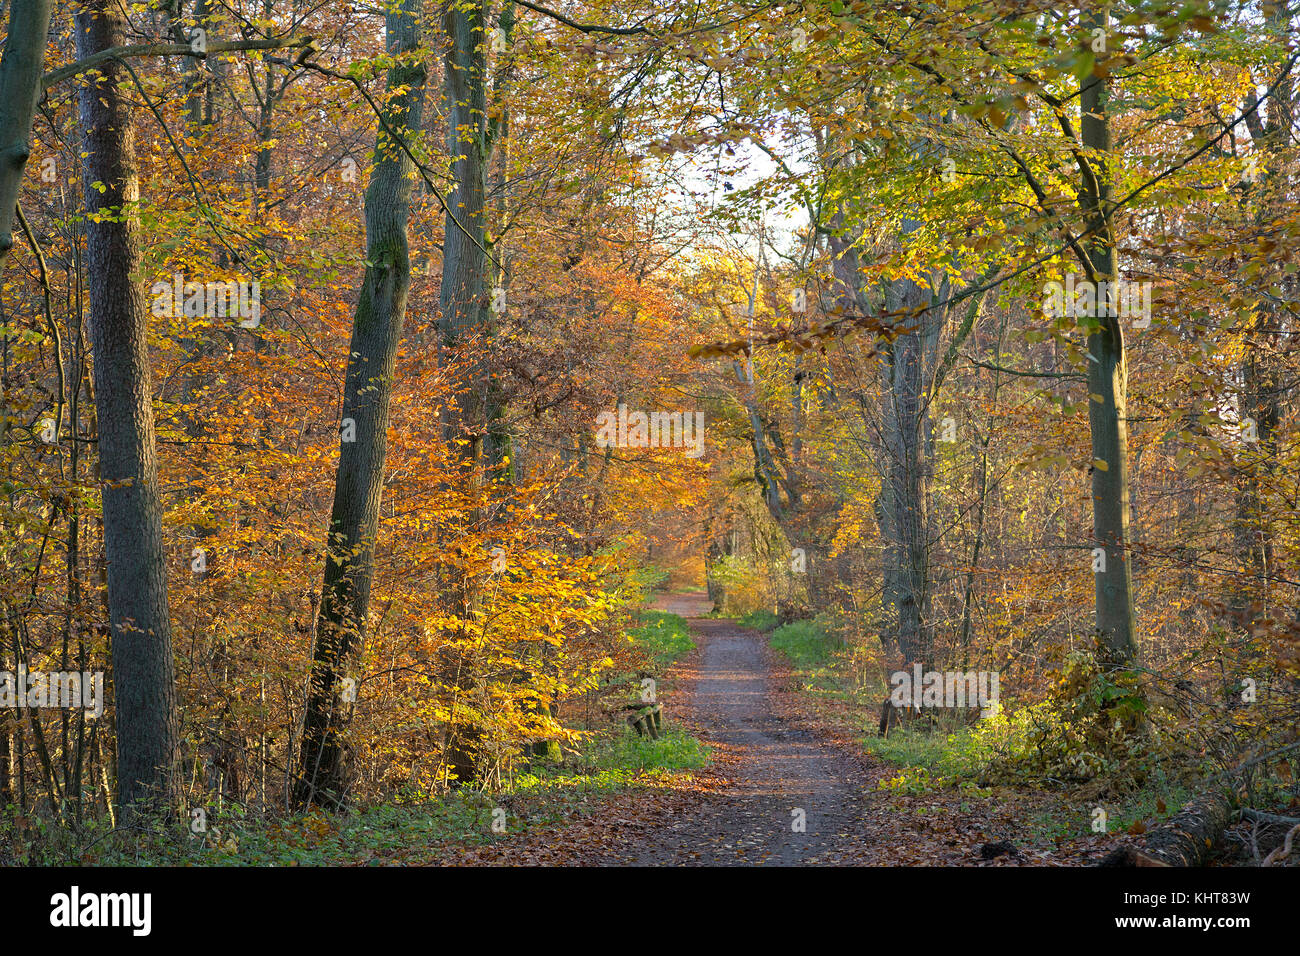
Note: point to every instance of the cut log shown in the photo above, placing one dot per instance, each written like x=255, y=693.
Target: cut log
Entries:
x=645, y=720
x=1185, y=839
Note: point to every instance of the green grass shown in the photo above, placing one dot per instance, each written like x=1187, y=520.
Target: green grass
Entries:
x=945, y=756
x=629, y=752
x=759, y=620
x=663, y=636
x=807, y=644
x=928, y=759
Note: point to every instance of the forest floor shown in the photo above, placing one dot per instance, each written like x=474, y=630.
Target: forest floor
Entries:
x=789, y=783
x=762, y=763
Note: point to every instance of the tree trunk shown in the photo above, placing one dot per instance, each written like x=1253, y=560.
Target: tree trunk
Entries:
x=908, y=471
x=981, y=502
x=6, y=792
x=498, y=452
x=143, y=670
x=1185, y=839
x=1261, y=403
x=850, y=299
x=358, y=485
x=20, y=89
x=477, y=425
x=1262, y=389
x=1107, y=380
x=463, y=293
x=194, y=67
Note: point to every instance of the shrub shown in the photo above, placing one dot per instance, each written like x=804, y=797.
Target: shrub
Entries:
x=760, y=620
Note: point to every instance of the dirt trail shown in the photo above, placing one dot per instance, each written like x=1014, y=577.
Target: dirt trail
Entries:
x=774, y=753
x=785, y=793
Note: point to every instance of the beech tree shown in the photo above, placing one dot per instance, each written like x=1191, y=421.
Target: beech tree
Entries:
x=1107, y=368
x=143, y=667
x=485, y=234
x=341, y=624
x=20, y=89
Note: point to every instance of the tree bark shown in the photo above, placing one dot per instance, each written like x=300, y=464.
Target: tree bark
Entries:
x=358, y=485
x=476, y=427
x=1262, y=389
x=6, y=792
x=463, y=293
x=908, y=470
x=981, y=502
x=1185, y=839
x=20, y=89
x=194, y=67
x=1107, y=379
x=143, y=669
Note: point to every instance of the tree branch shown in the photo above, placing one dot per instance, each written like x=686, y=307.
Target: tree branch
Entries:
x=170, y=49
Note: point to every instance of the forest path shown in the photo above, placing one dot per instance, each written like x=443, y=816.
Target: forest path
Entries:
x=783, y=790
x=774, y=751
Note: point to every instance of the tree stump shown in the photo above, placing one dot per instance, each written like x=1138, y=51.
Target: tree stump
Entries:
x=646, y=719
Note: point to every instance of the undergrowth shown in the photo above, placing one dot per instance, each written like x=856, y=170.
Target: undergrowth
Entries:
x=409, y=826
x=1091, y=740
